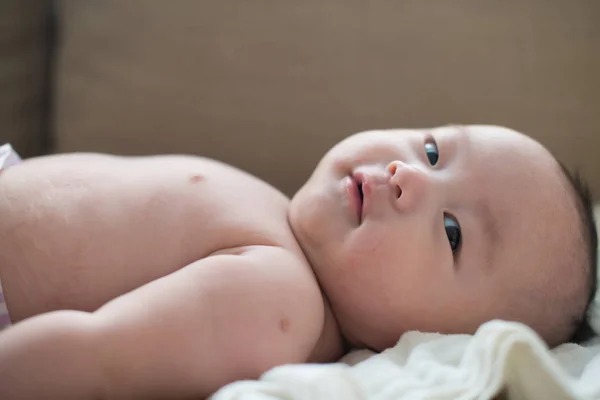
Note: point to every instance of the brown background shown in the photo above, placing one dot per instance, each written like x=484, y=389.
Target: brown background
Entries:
x=269, y=86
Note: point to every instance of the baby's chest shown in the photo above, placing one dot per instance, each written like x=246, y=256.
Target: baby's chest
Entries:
x=115, y=224
x=225, y=209
x=169, y=210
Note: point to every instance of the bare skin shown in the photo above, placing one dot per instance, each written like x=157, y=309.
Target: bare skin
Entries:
x=181, y=274
x=185, y=261
x=392, y=267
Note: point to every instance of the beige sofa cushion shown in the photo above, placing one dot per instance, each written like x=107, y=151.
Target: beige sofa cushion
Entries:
x=23, y=36
x=269, y=86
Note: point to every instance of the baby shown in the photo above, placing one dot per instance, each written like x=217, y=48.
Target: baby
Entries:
x=171, y=276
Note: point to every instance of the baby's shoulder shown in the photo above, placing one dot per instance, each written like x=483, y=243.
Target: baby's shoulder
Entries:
x=282, y=282
x=289, y=267
x=279, y=271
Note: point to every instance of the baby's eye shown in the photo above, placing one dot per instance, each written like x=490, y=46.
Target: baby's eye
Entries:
x=453, y=232
x=432, y=152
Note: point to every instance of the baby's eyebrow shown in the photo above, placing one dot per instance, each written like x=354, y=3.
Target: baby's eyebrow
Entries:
x=461, y=139
x=487, y=218
x=490, y=227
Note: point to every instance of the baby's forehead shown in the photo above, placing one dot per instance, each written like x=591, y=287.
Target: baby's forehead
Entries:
x=539, y=231
x=526, y=191
x=501, y=141
x=515, y=162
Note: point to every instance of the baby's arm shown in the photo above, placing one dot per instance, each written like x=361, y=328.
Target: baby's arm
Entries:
x=220, y=319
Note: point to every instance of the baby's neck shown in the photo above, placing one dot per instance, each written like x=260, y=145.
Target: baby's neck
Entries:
x=331, y=345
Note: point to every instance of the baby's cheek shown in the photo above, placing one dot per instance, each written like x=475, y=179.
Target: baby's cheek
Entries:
x=384, y=246
x=373, y=262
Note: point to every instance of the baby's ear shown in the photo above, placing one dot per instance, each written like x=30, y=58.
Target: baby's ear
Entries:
x=594, y=312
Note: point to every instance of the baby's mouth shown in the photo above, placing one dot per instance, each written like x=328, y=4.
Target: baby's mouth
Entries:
x=358, y=179
x=361, y=195
x=353, y=187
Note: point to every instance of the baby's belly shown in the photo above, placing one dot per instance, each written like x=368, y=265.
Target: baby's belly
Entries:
x=78, y=231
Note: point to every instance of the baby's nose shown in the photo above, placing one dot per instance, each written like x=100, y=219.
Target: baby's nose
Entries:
x=410, y=185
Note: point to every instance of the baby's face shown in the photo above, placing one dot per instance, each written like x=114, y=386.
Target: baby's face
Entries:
x=437, y=230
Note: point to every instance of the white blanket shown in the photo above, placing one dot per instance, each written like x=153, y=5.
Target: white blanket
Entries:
x=501, y=359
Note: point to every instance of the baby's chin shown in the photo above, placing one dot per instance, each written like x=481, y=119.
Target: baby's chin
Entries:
x=295, y=220
x=306, y=220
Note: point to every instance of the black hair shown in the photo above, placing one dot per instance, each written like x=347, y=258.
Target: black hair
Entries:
x=582, y=328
